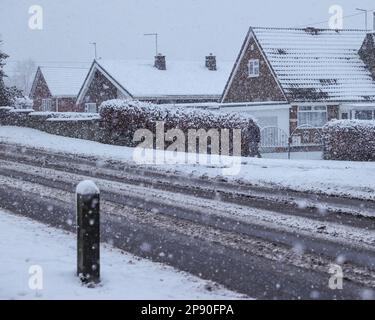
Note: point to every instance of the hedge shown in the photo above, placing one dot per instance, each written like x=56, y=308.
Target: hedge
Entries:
x=350, y=140
x=121, y=119
x=67, y=124
x=14, y=117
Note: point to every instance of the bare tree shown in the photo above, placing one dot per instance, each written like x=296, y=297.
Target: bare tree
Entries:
x=23, y=75
x=4, y=94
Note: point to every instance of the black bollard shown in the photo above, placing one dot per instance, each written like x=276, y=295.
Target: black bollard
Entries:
x=88, y=232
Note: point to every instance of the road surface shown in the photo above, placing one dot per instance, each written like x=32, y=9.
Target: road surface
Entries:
x=264, y=242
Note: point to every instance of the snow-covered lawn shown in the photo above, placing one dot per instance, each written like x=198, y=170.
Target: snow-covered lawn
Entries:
x=25, y=243
x=354, y=179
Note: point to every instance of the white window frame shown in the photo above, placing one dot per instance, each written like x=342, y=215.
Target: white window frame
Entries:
x=90, y=106
x=253, y=68
x=47, y=105
x=311, y=109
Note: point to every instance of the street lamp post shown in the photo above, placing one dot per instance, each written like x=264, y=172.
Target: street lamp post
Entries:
x=365, y=11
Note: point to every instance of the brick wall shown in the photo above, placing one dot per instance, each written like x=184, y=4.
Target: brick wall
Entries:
x=99, y=90
x=262, y=88
x=67, y=105
x=41, y=92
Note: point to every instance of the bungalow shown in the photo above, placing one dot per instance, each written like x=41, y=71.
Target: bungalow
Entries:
x=56, y=88
x=320, y=74
x=164, y=82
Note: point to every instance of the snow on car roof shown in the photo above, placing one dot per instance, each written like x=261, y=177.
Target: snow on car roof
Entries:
x=64, y=80
x=182, y=78
x=318, y=64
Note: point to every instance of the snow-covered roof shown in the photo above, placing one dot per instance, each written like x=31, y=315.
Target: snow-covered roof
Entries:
x=318, y=65
x=64, y=80
x=182, y=78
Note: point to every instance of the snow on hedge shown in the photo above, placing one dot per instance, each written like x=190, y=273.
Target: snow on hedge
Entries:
x=349, y=124
x=6, y=108
x=23, y=103
x=21, y=110
x=122, y=118
x=65, y=115
x=73, y=119
x=352, y=140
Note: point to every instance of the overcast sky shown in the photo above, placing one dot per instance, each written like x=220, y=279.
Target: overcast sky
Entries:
x=189, y=29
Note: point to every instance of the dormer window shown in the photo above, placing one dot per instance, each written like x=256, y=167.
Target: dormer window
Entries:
x=253, y=68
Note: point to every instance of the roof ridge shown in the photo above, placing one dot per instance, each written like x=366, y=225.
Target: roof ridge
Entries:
x=63, y=67
x=303, y=29
x=151, y=61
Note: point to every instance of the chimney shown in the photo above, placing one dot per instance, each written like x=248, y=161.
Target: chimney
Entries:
x=211, y=62
x=367, y=52
x=311, y=30
x=160, y=62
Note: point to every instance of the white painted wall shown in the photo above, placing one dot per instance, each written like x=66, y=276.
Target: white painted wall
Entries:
x=265, y=115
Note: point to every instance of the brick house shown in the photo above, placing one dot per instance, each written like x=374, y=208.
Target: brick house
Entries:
x=56, y=88
x=161, y=82
x=321, y=74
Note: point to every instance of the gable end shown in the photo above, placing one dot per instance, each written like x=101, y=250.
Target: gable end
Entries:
x=242, y=88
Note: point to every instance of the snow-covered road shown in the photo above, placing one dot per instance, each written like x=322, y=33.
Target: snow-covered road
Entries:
x=353, y=179
x=205, y=232
x=25, y=243
x=215, y=227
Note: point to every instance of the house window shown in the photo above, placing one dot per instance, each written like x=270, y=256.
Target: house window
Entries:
x=47, y=105
x=91, y=108
x=345, y=116
x=364, y=115
x=312, y=116
x=253, y=68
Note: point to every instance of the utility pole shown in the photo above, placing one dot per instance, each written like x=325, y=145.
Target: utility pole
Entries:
x=365, y=11
x=156, y=41
x=373, y=21
x=94, y=44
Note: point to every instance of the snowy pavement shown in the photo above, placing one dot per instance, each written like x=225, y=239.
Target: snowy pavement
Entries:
x=25, y=243
x=353, y=179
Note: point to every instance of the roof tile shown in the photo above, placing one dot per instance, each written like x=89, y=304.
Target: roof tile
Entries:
x=319, y=65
